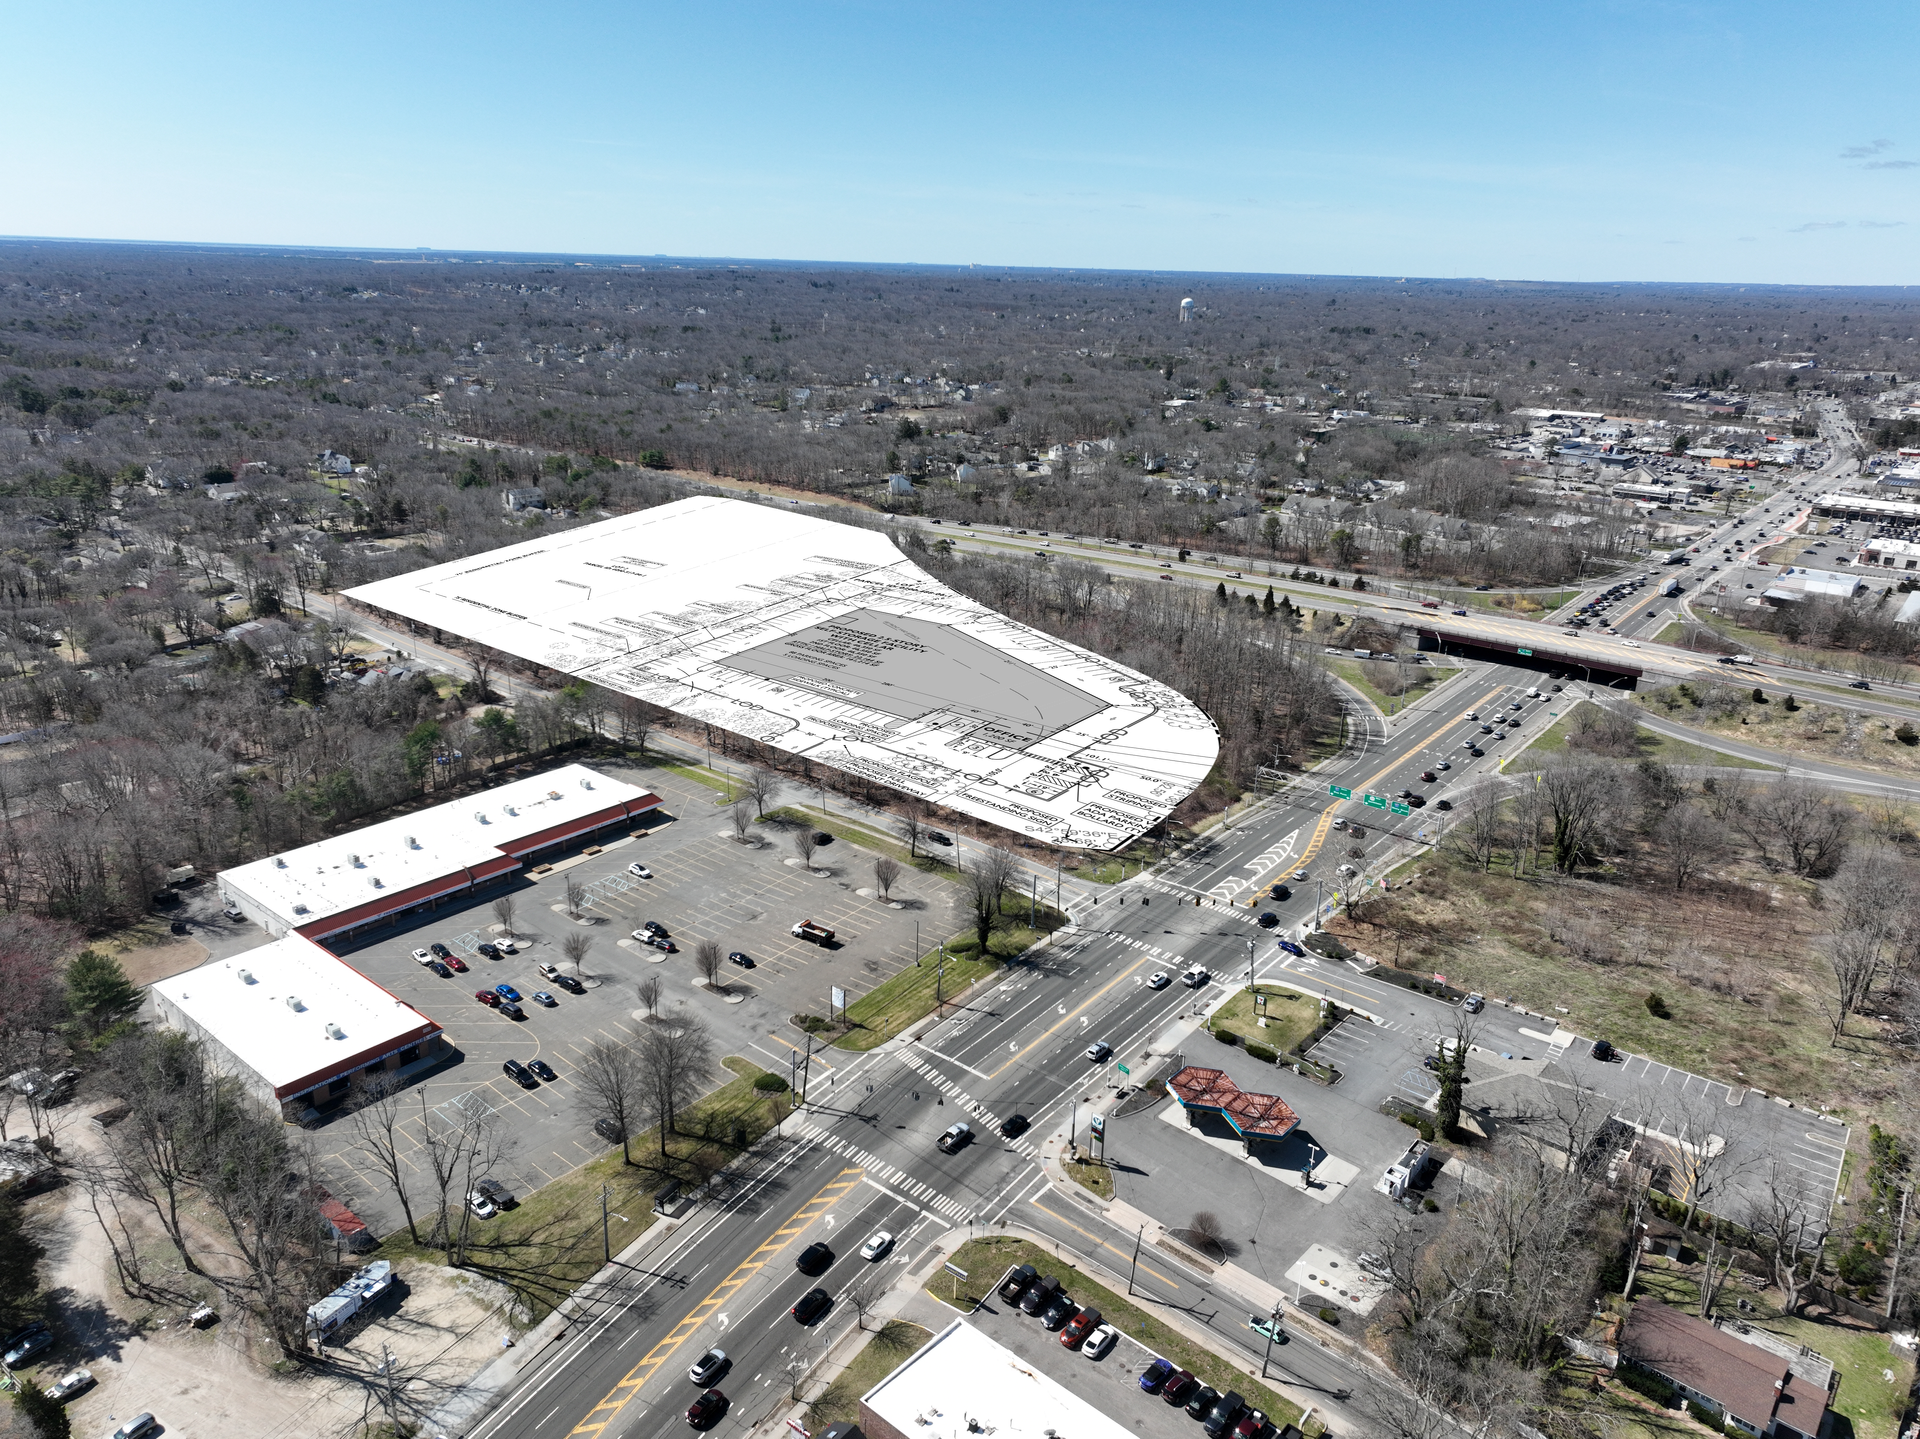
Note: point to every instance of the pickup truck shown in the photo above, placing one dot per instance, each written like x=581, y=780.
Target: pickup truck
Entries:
x=955, y=1137
x=807, y=929
x=1736, y=659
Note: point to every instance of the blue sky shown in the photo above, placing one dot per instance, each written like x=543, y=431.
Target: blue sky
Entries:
x=1761, y=142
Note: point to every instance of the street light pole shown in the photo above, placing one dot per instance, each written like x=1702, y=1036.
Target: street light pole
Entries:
x=1138, y=1236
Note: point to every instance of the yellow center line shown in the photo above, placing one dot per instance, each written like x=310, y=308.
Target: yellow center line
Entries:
x=796, y=1049
x=1104, y=1245
x=1093, y=999
x=604, y=1413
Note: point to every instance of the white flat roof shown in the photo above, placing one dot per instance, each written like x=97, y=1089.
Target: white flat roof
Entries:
x=960, y=1378
x=349, y=870
x=281, y=1044
x=824, y=640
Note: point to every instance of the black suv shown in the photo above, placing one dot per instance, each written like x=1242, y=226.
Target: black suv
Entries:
x=1037, y=1295
x=519, y=1074
x=812, y=1305
x=814, y=1259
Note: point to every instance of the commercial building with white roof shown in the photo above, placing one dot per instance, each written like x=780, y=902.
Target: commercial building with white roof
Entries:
x=1891, y=554
x=296, y=1024
x=337, y=887
x=961, y=1385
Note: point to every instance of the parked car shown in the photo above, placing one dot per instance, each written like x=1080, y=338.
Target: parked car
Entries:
x=440, y=951
x=1179, y=1387
x=1473, y=1003
x=665, y=946
x=540, y=996
x=955, y=1138
x=520, y=1074
x=1200, y=1403
x=1602, y=1050
x=501, y=1196
x=653, y=926
x=455, y=963
x=709, y=1366
x=138, y=1427
x=68, y=1385
x=639, y=870
x=512, y=1010
x=23, y=1346
x=707, y=1409
x=1100, y=1341
x=486, y=950
x=814, y=1259
x=548, y=971
x=1016, y=1282
x=1080, y=1326
x=422, y=956
x=1059, y=1310
x=1225, y=1414
x=543, y=1069
x=812, y=1305
x=608, y=1130
x=1039, y=1295
x=487, y=996
x=1155, y=1375
x=440, y=969
x=741, y=958
x=506, y=991
x=877, y=1246
x=506, y=945
x=482, y=1207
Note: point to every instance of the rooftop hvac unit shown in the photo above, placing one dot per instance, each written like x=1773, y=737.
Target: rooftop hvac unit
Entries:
x=279, y=862
x=246, y=976
x=293, y=1002
x=335, y=1032
x=509, y=809
x=553, y=794
x=374, y=880
x=412, y=843
x=354, y=860
x=299, y=909
x=480, y=815
x=584, y=784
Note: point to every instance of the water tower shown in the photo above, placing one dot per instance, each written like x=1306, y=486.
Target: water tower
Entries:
x=1186, y=310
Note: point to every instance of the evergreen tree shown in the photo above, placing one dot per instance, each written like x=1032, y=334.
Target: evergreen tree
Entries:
x=44, y=1416
x=20, y=1260
x=1267, y=605
x=1220, y=593
x=99, y=992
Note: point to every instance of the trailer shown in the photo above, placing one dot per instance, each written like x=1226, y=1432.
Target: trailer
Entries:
x=326, y=1317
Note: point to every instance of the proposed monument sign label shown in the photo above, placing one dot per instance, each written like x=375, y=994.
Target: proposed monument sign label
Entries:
x=824, y=640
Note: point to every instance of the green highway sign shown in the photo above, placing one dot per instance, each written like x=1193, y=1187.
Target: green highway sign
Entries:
x=1123, y=1069
x=1525, y=652
x=1374, y=801
x=1339, y=791
x=1401, y=807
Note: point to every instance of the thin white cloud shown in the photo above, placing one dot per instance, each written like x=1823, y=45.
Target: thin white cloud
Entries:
x=1863, y=152
x=1881, y=224
x=1892, y=165
x=1813, y=225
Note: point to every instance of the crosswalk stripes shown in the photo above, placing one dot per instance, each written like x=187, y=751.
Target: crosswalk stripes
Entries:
x=897, y=1178
x=966, y=1101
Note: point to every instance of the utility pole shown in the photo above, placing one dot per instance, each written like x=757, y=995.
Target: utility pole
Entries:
x=940, y=982
x=1138, y=1236
x=606, y=1247
x=1273, y=1325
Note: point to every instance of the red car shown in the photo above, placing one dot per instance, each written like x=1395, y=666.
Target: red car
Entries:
x=706, y=1409
x=488, y=997
x=1079, y=1327
x=455, y=963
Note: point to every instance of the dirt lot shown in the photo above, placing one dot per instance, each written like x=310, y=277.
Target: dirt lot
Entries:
x=439, y=1327
x=1817, y=731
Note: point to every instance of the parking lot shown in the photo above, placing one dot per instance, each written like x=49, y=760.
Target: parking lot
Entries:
x=704, y=885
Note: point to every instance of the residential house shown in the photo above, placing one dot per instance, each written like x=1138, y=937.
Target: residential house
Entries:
x=333, y=463
x=1755, y=1382
x=527, y=497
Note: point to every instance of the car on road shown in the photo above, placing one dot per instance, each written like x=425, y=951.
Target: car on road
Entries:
x=1291, y=948
x=1418, y=801
x=812, y=1305
x=1280, y=892
x=707, y=1409
x=1100, y=1341
x=1158, y=979
x=1486, y=729
x=639, y=870
x=1456, y=612
x=709, y=1367
x=519, y=1074
x=1081, y=1325
x=1269, y=920
x=512, y=1010
x=814, y=1259
x=877, y=1246
x=440, y=969
x=1058, y=1311
x=741, y=958
x=1473, y=714
x=1200, y=1403
x=1851, y=684
x=488, y=997
x=1427, y=776
x=938, y=838
x=423, y=956
x=1197, y=977
x=1156, y=1374
x=506, y=991
x=955, y=1137
x=138, y=1427
x=482, y=1207
x=1444, y=765
x=543, y=1069
x=1473, y=1003
x=1099, y=1050
x=1476, y=751
x=1300, y=876
x=540, y=996
x=68, y=1385
x=1014, y=1125
x=1602, y=1050
x=1443, y=804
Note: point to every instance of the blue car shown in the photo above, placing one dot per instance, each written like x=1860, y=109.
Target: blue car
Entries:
x=1291, y=948
x=506, y=991
x=1155, y=1375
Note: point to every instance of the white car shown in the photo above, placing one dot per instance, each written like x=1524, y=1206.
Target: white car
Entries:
x=69, y=1384
x=551, y=971
x=482, y=1206
x=1473, y=714
x=639, y=870
x=1100, y=1341
x=422, y=956
x=1158, y=980
x=877, y=1246
x=506, y=946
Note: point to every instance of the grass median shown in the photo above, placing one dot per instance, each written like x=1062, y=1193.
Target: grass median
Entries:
x=985, y=1260
x=1419, y=680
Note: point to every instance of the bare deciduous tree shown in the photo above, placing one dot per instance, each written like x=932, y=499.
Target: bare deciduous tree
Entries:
x=985, y=878
x=611, y=1078
x=1854, y=957
x=503, y=914
x=886, y=869
x=576, y=893
x=707, y=962
x=676, y=1057
x=1578, y=793
x=804, y=844
x=375, y=1123
x=1690, y=843
x=575, y=947
x=1480, y=830
x=911, y=823
x=742, y=816
x=1206, y=1232
x=761, y=787
x=1789, y=1224
x=648, y=991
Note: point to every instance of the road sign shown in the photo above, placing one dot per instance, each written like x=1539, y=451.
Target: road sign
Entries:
x=1400, y=806
x=1374, y=801
x=1339, y=791
x=955, y=1270
x=1524, y=652
x=1099, y=1126
x=1123, y=1069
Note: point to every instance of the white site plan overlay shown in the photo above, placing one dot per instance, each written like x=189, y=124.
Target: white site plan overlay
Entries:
x=825, y=641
